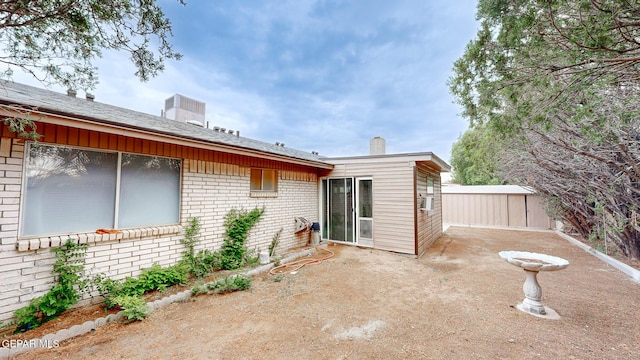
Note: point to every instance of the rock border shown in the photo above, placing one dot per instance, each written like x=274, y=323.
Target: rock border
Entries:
x=52, y=340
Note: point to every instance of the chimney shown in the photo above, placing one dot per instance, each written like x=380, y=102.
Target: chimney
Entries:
x=377, y=146
x=71, y=92
x=90, y=97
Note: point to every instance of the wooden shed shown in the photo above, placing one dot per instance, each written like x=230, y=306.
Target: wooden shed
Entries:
x=387, y=202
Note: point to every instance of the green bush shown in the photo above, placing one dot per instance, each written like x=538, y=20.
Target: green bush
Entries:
x=153, y=278
x=223, y=285
x=251, y=258
x=134, y=308
x=190, y=240
x=159, y=278
x=205, y=262
x=70, y=284
x=238, y=223
x=107, y=288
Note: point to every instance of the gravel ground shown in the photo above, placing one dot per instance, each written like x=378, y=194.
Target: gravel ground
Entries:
x=455, y=302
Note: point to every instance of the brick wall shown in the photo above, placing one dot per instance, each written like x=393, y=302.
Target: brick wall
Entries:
x=208, y=192
x=210, y=197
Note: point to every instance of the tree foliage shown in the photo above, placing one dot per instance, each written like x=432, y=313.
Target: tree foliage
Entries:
x=473, y=157
x=57, y=41
x=560, y=81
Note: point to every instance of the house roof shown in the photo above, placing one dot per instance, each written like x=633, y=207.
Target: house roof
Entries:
x=52, y=104
x=428, y=157
x=488, y=189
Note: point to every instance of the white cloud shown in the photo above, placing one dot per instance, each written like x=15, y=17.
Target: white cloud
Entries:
x=316, y=75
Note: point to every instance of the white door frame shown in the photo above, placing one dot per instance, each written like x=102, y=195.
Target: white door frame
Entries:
x=359, y=218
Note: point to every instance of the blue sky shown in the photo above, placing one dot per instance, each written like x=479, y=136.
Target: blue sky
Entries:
x=322, y=76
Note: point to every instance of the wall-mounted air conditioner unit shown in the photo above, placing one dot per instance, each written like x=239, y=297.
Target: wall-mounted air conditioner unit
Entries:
x=427, y=203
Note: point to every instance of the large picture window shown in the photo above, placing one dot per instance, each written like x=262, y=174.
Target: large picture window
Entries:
x=71, y=190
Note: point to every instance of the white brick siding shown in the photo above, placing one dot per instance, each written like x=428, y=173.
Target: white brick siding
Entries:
x=26, y=264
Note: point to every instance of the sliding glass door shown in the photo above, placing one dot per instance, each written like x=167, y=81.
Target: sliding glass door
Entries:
x=338, y=209
x=341, y=220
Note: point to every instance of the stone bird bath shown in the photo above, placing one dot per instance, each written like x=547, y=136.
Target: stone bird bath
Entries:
x=532, y=263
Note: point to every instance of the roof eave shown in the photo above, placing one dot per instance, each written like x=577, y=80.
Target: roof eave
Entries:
x=12, y=109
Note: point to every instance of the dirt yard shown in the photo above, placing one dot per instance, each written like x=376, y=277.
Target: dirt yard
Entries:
x=456, y=302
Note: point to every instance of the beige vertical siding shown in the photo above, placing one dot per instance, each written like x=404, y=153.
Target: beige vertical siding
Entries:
x=517, y=210
x=500, y=210
x=393, y=202
x=475, y=209
x=428, y=224
x=536, y=216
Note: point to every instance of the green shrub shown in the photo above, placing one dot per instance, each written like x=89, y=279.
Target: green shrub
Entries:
x=70, y=284
x=153, y=278
x=159, y=278
x=190, y=240
x=251, y=258
x=107, y=288
x=199, y=290
x=205, y=262
x=223, y=285
x=134, y=308
x=237, y=224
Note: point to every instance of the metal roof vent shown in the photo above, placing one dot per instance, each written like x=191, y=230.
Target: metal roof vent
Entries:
x=195, y=122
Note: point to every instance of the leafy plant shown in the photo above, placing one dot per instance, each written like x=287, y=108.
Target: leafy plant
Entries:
x=205, y=262
x=159, y=278
x=107, y=288
x=23, y=125
x=70, y=284
x=223, y=285
x=58, y=43
x=153, y=278
x=190, y=240
x=199, y=290
x=238, y=223
x=251, y=258
x=134, y=308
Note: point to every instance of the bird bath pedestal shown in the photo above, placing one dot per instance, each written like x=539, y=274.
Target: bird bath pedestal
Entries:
x=532, y=263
